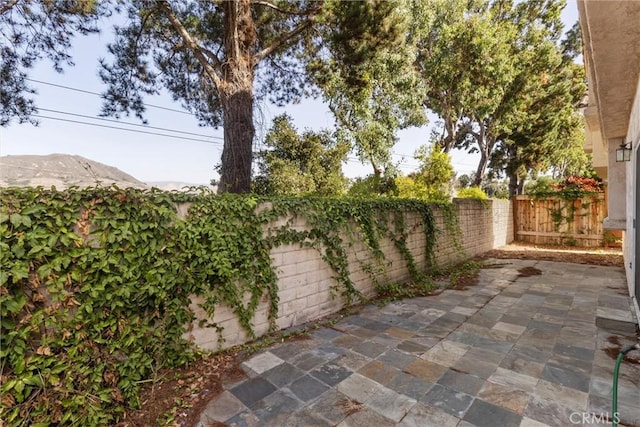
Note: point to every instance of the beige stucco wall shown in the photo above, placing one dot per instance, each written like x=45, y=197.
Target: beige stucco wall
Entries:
x=631, y=192
x=306, y=282
x=594, y=142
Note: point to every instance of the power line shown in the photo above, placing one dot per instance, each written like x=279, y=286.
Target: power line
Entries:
x=123, y=129
x=163, y=129
x=129, y=124
x=100, y=95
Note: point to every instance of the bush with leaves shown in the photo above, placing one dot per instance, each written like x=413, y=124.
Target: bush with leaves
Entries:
x=95, y=284
x=93, y=300
x=542, y=185
x=471, y=193
x=571, y=187
x=294, y=164
x=373, y=186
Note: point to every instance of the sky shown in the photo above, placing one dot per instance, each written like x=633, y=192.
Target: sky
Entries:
x=64, y=99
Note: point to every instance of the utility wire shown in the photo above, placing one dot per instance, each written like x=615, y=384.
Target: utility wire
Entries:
x=124, y=129
x=100, y=95
x=129, y=124
x=163, y=129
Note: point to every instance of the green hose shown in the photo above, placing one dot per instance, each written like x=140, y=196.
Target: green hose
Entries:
x=626, y=349
x=614, y=414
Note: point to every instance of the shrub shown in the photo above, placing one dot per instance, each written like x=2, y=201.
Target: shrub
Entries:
x=472, y=193
x=96, y=284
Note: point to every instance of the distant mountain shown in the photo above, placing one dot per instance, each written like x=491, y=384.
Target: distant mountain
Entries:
x=62, y=171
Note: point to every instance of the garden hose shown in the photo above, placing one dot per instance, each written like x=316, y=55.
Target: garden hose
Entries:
x=626, y=349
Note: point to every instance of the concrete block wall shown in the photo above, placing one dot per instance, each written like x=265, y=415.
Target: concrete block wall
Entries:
x=308, y=290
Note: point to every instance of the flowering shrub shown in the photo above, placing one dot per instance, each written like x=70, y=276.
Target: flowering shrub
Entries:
x=579, y=184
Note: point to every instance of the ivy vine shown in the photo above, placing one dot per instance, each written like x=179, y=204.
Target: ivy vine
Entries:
x=95, y=284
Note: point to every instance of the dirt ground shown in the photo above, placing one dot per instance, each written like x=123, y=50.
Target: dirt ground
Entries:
x=177, y=397
x=593, y=256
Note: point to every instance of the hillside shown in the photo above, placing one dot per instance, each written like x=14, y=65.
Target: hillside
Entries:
x=61, y=171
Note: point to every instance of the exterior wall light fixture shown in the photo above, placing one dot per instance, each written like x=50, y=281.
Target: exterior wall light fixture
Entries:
x=623, y=154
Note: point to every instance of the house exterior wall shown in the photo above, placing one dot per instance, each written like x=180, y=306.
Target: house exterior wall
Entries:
x=594, y=143
x=617, y=185
x=631, y=194
x=611, y=52
x=307, y=288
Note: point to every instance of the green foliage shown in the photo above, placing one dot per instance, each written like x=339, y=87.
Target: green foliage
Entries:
x=501, y=82
x=409, y=188
x=217, y=58
x=463, y=181
x=364, y=68
x=432, y=181
x=226, y=257
x=435, y=167
x=541, y=186
x=295, y=164
x=374, y=186
x=95, y=284
x=93, y=299
x=495, y=189
x=33, y=31
x=569, y=157
x=472, y=193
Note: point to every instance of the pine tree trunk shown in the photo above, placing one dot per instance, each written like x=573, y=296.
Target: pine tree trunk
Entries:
x=236, y=95
x=238, y=142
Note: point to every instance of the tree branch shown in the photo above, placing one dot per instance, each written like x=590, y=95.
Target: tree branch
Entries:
x=8, y=5
x=200, y=53
x=282, y=40
x=276, y=8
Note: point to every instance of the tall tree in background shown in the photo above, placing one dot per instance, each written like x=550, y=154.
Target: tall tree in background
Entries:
x=296, y=164
x=219, y=57
x=552, y=128
x=494, y=73
x=549, y=122
x=33, y=30
x=364, y=67
x=464, y=58
x=207, y=55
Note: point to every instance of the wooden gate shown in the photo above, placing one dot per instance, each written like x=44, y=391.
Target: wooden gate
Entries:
x=556, y=221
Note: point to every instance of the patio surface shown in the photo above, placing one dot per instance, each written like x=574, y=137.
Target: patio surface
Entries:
x=514, y=350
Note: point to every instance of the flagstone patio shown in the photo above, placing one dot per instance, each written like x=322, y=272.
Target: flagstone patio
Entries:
x=520, y=348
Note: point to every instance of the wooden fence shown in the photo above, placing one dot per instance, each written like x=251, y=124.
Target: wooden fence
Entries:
x=555, y=221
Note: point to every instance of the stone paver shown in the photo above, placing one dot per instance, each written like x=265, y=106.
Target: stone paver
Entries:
x=510, y=351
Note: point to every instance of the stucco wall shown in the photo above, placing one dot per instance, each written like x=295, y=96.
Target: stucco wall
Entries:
x=306, y=284
x=633, y=135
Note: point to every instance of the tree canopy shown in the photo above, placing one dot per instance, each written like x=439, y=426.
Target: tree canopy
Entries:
x=368, y=79
x=218, y=58
x=294, y=164
x=207, y=55
x=502, y=81
x=31, y=31
x=496, y=72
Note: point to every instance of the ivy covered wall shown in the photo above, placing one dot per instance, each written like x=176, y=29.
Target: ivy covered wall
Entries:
x=99, y=287
x=307, y=285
